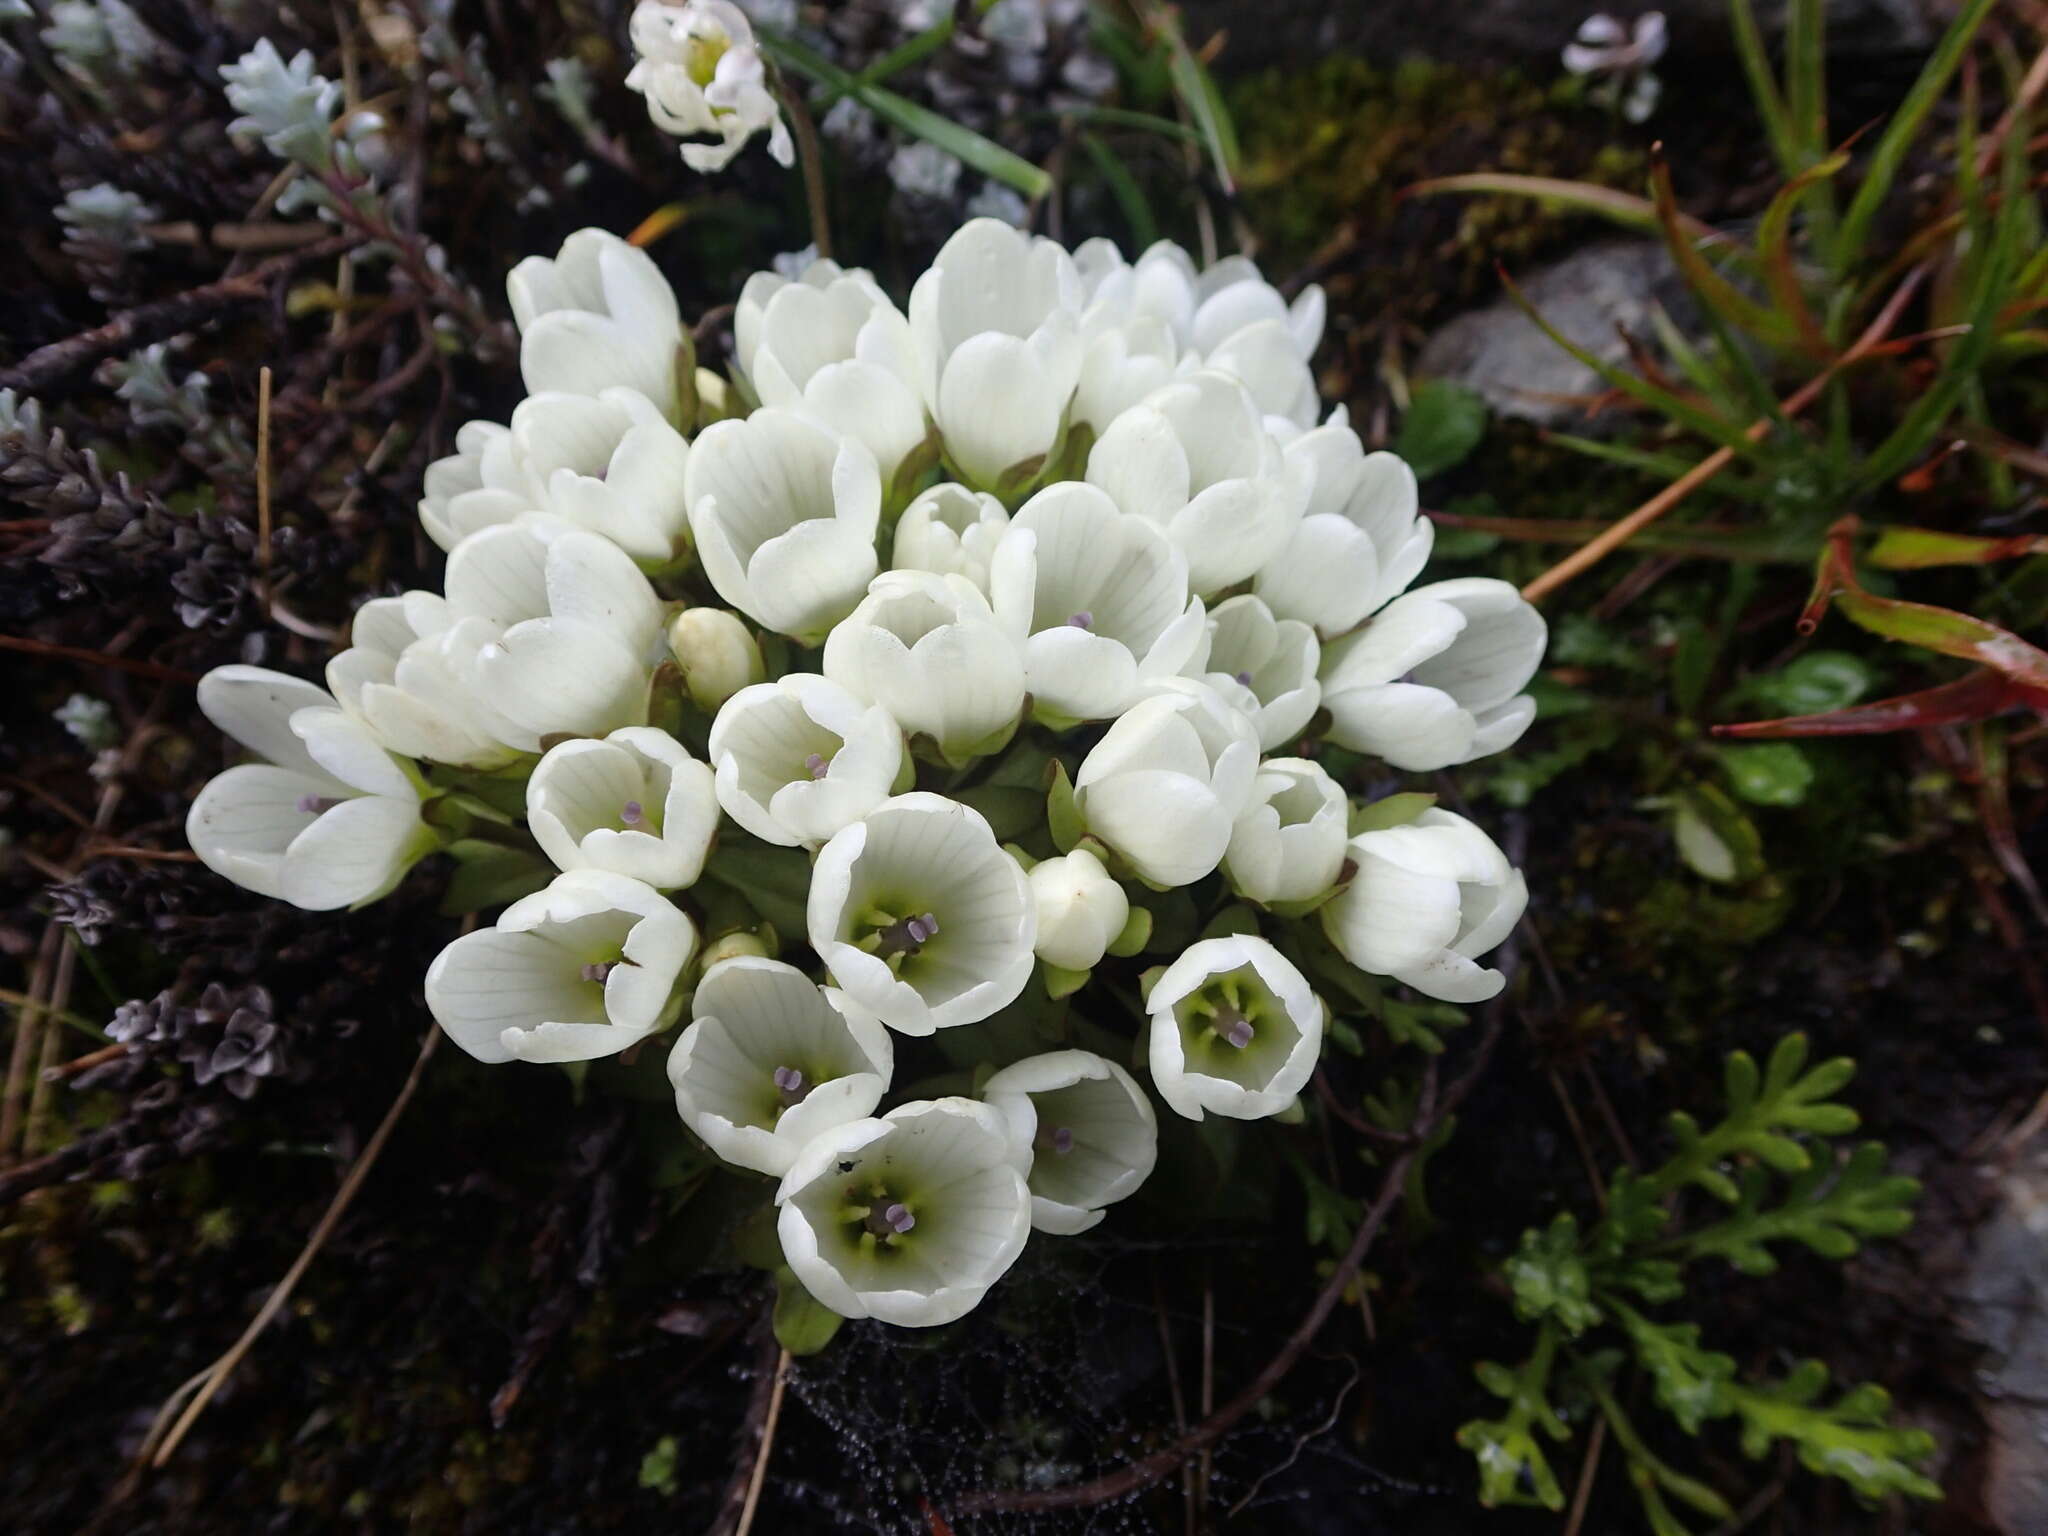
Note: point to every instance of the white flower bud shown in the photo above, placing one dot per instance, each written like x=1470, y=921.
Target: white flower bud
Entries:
x=950, y=530
x=599, y=313
x=1288, y=845
x=717, y=653
x=1080, y=909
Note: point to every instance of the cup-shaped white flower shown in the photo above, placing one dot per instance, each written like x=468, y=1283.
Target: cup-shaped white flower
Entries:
x=1235, y=1030
x=478, y=486
x=1081, y=909
x=398, y=677
x=701, y=73
x=1205, y=309
x=784, y=512
x=800, y=758
x=328, y=819
x=1233, y=295
x=609, y=463
x=1426, y=901
x=1263, y=358
x=579, y=970
x=1166, y=781
x=1097, y=602
x=1126, y=356
x=635, y=803
x=771, y=1060
x=759, y=291
x=717, y=653
x=1194, y=457
x=920, y=916
x=996, y=323
x=1159, y=285
x=1264, y=666
x=841, y=352
x=928, y=649
x=1084, y=1130
x=1288, y=845
x=1360, y=542
x=909, y=1218
x=599, y=313
x=1436, y=677
x=555, y=630
x=951, y=530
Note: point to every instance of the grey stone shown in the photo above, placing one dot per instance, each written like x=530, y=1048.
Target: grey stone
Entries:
x=2002, y=1304
x=1590, y=296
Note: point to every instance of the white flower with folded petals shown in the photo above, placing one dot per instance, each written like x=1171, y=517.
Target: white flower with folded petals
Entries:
x=478, y=486
x=1125, y=358
x=928, y=649
x=598, y=314
x=1205, y=309
x=1082, y=1128
x=840, y=352
x=1428, y=899
x=1264, y=358
x=800, y=758
x=1097, y=602
x=909, y=1218
x=785, y=512
x=609, y=463
x=920, y=916
x=1233, y=295
x=1166, y=781
x=582, y=969
x=702, y=74
x=635, y=803
x=1288, y=844
x=996, y=324
x=400, y=679
x=555, y=630
x=1081, y=909
x=1235, y=1030
x=1195, y=458
x=1266, y=667
x=759, y=290
x=951, y=530
x=1435, y=678
x=328, y=819
x=1361, y=539
x=771, y=1060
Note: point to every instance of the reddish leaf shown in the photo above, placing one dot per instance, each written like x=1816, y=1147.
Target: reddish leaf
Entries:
x=1912, y=549
x=1979, y=696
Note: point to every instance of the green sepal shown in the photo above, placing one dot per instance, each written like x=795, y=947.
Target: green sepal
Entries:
x=1062, y=815
x=1390, y=811
x=1061, y=982
x=803, y=1324
x=1135, y=935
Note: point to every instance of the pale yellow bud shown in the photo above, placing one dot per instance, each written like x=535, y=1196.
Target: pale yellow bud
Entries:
x=717, y=653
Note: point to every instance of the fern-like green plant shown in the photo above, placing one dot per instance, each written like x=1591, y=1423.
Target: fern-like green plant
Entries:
x=1764, y=1175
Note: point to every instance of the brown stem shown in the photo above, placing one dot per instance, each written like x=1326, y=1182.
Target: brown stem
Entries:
x=812, y=159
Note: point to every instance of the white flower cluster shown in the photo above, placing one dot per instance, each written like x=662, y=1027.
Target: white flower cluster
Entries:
x=1134, y=591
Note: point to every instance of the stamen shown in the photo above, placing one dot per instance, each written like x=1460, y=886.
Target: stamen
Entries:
x=1082, y=620
x=1245, y=679
x=1062, y=1142
x=1232, y=1027
x=632, y=813
x=817, y=765
x=313, y=805
x=598, y=970
x=789, y=1082
x=906, y=937
x=899, y=1218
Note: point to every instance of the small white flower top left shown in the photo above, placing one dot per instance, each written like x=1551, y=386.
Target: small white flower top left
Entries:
x=702, y=74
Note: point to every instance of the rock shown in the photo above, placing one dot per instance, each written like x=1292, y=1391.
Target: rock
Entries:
x=1499, y=352
x=2002, y=1304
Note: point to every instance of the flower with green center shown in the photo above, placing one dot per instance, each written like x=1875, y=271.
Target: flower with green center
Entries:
x=771, y=1060
x=702, y=74
x=1235, y=1030
x=800, y=758
x=635, y=803
x=909, y=1218
x=1083, y=1129
x=921, y=916
x=582, y=969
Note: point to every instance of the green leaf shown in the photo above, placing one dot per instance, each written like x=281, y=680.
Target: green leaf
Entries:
x=1851, y=1439
x=491, y=875
x=1814, y=683
x=1512, y=1466
x=803, y=1324
x=776, y=882
x=1444, y=423
x=1829, y=1208
x=1123, y=186
x=1765, y=1111
x=1549, y=1278
x=1691, y=1381
x=1716, y=841
x=1768, y=772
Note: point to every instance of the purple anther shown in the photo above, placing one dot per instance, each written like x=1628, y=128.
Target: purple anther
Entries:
x=1062, y=1141
x=817, y=765
x=789, y=1079
x=632, y=813
x=1245, y=678
x=1239, y=1034
x=313, y=805
x=899, y=1218
x=1082, y=620
x=598, y=970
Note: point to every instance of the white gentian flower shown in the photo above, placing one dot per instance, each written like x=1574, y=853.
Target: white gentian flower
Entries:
x=702, y=74
x=999, y=348
x=89, y=720
x=920, y=916
x=609, y=463
x=800, y=758
x=785, y=512
x=635, y=803
x=1081, y=909
x=717, y=654
x=1205, y=309
x=1608, y=47
x=1235, y=1030
x=840, y=352
x=772, y=1060
x=582, y=969
x=1084, y=1130
x=1427, y=899
x=909, y=1218
x=1264, y=666
x=1126, y=356
x=1097, y=602
x=928, y=649
x=599, y=314
x=806, y=267
x=1195, y=458
x=1361, y=540
x=328, y=818
x=1166, y=781
x=555, y=630
x=1264, y=358
x=1436, y=677
x=399, y=678
x=1159, y=285
x=1288, y=845
x=950, y=530
x=478, y=486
